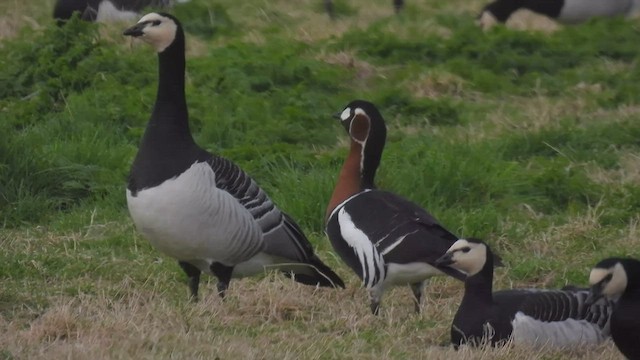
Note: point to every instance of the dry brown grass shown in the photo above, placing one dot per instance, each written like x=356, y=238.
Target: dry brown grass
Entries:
x=269, y=319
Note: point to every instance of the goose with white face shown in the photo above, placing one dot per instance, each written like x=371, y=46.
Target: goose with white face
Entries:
x=610, y=282
x=466, y=256
x=155, y=29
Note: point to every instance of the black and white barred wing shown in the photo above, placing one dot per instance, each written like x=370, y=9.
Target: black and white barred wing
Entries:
x=281, y=236
x=561, y=318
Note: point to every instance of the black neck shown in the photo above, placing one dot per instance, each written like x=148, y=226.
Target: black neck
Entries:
x=170, y=114
x=479, y=287
x=167, y=147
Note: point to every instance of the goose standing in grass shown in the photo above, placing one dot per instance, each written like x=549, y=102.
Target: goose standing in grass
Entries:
x=200, y=208
x=619, y=279
x=534, y=317
x=564, y=11
x=106, y=10
x=384, y=238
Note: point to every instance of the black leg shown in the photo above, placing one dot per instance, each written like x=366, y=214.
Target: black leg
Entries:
x=194, y=278
x=223, y=273
x=328, y=6
x=398, y=5
x=375, y=296
x=416, y=288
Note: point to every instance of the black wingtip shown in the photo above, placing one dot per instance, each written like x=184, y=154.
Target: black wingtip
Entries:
x=325, y=276
x=316, y=273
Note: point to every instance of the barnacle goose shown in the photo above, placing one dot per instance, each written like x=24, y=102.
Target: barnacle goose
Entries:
x=200, y=208
x=534, y=317
x=106, y=10
x=564, y=11
x=619, y=279
x=385, y=239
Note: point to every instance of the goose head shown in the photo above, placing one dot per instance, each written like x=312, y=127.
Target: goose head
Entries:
x=466, y=255
x=159, y=30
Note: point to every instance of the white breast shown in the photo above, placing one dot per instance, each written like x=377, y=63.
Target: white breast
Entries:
x=570, y=332
x=410, y=273
x=188, y=218
x=575, y=11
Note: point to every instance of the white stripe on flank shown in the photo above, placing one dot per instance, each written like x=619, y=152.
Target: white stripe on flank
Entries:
x=396, y=243
x=368, y=256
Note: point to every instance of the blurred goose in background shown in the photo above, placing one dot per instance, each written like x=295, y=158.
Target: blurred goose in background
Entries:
x=619, y=279
x=533, y=317
x=385, y=239
x=563, y=11
x=199, y=208
x=107, y=10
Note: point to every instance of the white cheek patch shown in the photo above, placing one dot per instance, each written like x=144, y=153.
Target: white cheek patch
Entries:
x=159, y=36
x=458, y=245
x=469, y=262
x=345, y=114
x=477, y=259
x=618, y=283
x=597, y=275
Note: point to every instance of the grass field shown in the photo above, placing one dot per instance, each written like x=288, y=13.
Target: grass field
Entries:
x=528, y=139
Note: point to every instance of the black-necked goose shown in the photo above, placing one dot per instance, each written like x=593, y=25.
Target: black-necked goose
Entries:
x=564, y=11
x=534, y=317
x=619, y=279
x=200, y=208
x=106, y=10
x=384, y=238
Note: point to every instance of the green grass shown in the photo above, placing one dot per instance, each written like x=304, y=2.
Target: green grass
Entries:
x=526, y=139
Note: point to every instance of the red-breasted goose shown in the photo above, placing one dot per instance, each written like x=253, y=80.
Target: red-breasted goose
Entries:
x=564, y=11
x=199, y=208
x=384, y=238
x=619, y=279
x=534, y=317
x=106, y=10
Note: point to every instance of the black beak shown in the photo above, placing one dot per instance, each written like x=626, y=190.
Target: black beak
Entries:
x=595, y=293
x=445, y=260
x=337, y=116
x=135, y=30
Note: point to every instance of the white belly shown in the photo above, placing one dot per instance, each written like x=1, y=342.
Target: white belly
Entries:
x=189, y=218
x=411, y=273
